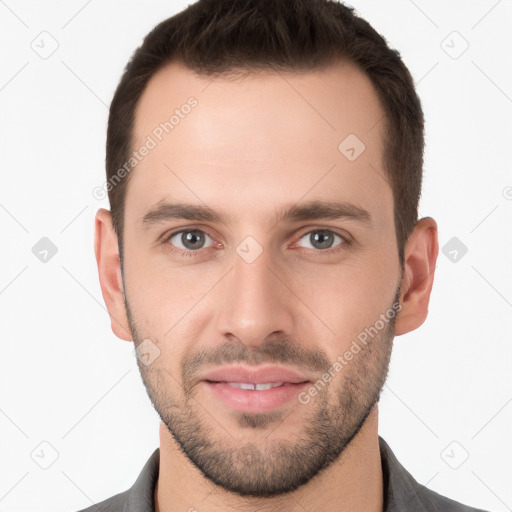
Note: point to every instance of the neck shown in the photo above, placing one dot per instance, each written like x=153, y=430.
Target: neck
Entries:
x=353, y=483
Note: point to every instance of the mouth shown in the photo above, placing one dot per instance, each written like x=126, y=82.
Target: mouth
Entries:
x=250, y=390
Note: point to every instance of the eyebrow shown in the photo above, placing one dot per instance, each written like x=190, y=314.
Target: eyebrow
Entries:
x=311, y=210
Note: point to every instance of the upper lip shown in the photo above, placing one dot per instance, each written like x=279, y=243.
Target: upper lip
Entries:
x=259, y=375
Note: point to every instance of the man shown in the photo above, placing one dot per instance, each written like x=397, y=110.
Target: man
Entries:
x=264, y=167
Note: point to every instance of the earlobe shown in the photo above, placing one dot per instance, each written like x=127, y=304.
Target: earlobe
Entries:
x=420, y=258
x=106, y=249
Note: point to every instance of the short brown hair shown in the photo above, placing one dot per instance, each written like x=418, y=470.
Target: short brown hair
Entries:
x=216, y=37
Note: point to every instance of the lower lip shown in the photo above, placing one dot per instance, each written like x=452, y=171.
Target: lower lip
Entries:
x=254, y=401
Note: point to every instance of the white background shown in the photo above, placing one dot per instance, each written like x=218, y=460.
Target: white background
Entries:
x=66, y=380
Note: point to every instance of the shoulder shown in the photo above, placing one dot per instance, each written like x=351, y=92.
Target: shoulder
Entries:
x=139, y=498
x=435, y=502
x=113, y=504
x=402, y=491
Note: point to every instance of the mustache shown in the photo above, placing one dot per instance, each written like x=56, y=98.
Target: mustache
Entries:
x=273, y=351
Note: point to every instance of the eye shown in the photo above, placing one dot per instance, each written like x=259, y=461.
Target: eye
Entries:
x=191, y=240
x=322, y=239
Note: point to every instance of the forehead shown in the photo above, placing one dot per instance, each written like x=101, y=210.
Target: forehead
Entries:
x=244, y=142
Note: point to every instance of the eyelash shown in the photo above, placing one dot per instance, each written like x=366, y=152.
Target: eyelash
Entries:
x=190, y=253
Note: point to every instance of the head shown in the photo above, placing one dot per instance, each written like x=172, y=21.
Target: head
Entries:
x=271, y=219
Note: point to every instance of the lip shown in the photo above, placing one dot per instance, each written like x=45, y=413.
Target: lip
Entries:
x=252, y=400
x=260, y=375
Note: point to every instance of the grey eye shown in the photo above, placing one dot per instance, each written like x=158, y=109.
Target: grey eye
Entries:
x=191, y=239
x=321, y=238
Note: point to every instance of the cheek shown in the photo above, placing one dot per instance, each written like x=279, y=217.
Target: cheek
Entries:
x=350, y=297
x=161, y=293
x=168, y=308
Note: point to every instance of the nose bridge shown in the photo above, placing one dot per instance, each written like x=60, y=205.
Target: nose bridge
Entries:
x=254, y=303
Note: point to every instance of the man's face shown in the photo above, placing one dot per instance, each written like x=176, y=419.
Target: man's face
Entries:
x=256, y=290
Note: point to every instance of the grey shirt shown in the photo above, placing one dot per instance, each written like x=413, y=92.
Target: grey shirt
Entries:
x=401, y=491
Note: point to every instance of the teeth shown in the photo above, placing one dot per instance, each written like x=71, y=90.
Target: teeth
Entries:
x=242, y=385
x=263, y=387
x=254, y=387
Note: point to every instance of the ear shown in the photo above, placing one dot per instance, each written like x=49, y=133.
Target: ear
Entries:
x=420, y=256
x=106, y=248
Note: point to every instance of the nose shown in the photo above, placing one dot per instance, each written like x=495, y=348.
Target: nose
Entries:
x=256, y=302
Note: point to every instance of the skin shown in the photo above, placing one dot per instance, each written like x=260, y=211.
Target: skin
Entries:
x=251, y=146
